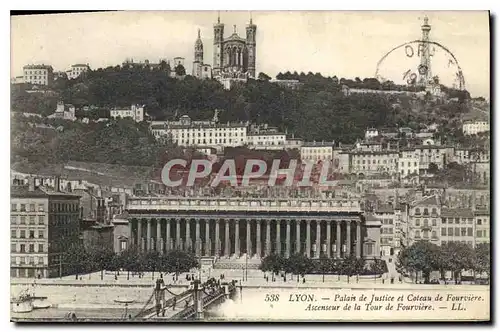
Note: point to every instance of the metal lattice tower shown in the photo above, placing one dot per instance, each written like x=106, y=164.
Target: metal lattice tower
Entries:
x=425, y=73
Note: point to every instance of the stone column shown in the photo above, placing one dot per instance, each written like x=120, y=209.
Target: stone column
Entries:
x=258, y=247
x=208, y=247
x=159, y=240
x=318, y=238
x=278, y=237
x=308, y=238
x=249, y=240
x=227, y=250
x=177, y=233
x=168, y=236
x=197, y=240
x=268, y=237
x=237, y=238
x=188, y=235
x=287, y=253
x=338, y=244
x=148, y=234
x=328, y=238
x=348, y=238
x=297, y=237
x=358, y=238
x=139, y=234
x=217, y=238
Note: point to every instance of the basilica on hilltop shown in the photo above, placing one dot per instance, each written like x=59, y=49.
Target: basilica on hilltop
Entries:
x=233, y=57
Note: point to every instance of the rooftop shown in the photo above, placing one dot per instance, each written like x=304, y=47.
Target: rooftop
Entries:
x=23, y=191
x=458, y=212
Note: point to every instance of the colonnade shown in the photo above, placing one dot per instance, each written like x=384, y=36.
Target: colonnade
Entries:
x=257, y=237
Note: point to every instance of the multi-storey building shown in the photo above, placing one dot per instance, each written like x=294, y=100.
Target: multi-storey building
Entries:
x=77, y=70
x=135, y=112
x=482, y=223
x=38, y=74
x=317, y=151
x=457, y=225
x=385, y=213
x=44, y=223
x=475, y=127
x=267, y=141
x=436, y=154
x=408, y=163
x=424, y=220
x=374, y=162
x=371, y=133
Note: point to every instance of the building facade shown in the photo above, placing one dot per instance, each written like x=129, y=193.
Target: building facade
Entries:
x=38, y=74
x=44, y=223
x=317, y=151
x=234, y=56
x=475, y=127
x=135, y=112
x=425, y=220
x=77, y=70
x=258, y=227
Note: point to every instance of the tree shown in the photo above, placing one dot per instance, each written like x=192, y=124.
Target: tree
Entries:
x=482, y=258
x=456, y=257
x=75, y=260
x=421, y=256
x=433, y=168
x=180, y=70
x=298, y=264
x=272, y=263
x=264, y=77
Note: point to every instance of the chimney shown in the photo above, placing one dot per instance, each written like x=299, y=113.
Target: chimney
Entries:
x=31, y=184
x=57, y=184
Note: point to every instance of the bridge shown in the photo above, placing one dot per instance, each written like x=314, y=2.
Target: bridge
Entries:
x=190, y=304
x=257, y=227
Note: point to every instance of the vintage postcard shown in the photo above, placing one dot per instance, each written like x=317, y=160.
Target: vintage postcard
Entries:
x=250, y=166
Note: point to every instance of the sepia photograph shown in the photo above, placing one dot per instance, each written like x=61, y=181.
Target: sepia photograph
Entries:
x=250, y=166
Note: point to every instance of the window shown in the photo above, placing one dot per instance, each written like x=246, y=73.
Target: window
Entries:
x=450, y=231
x=32, y=234
x=40, y=234
x=40, y=208
x=22, y=248
x=23, y=220
x=457, y=220
x=434, y=235
x=417, y=211
x=23, y=207
x=417, y=222
x=434, y=211
x=32, y=207
x=40, y=248
x=32, y=220
x=443, y=231
x=32, y=248
x=417, y=233
x=443, y=220
x=434, y=222
x=479, y=222
x=13, y=234
x=469, y=231
x=426, y=222
x=426, y=212
x=13, y=219
x=463, y=231
x=13, y=247
x=41, y=220
x=23, y=234
x=13, y=207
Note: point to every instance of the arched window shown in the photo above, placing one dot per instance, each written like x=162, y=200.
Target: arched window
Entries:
x=426, y=212
x=434, y=211
x=426, y=222
x=417, y=211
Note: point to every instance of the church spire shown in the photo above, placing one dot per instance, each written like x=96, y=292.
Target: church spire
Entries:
x=250, y=17
x=218, y=16
x=199, y=35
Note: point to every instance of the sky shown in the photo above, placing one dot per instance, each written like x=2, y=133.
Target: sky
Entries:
x=345, y=44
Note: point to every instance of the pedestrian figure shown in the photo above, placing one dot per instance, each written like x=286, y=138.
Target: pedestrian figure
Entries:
x=175, y=302
x=303, y=280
